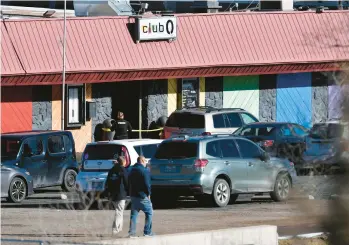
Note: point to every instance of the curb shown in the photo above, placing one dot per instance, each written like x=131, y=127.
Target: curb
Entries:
x=307, y=235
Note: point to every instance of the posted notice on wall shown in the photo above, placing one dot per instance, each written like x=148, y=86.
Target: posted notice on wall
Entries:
x=190, y=93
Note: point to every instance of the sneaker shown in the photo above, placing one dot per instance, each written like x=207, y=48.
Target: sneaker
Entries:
x=149, y=235
x=132, y=236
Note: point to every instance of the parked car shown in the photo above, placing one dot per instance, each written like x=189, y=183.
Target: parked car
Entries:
x=327, y=145
x=278, y=139
x=206, y=121
x=49, y=156
x=217, y=168
x=16, y=183
x=98, y=158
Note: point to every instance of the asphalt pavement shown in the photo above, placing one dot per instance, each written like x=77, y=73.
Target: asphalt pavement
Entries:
x=48, y=215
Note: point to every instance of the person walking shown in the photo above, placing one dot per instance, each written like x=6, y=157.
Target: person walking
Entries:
x=121, y=127
x=117, y=189
x=140, y=191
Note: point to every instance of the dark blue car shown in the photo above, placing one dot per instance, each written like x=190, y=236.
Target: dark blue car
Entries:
x=278, y=139
x=49, y=156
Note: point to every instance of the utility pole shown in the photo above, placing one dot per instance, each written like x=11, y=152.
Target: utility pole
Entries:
x=64, y=64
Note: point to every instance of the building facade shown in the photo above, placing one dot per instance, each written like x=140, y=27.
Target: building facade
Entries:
x=265, y=63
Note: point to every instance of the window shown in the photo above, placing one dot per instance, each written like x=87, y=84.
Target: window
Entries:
x=248, y=118
x=326, y=131
x=9, y=148
x=285, y=131
x=75, y=105
x=213, y=149
x=218, y=121
x=248, y=149
x=299, y=131
x=102, y=152
x=177, y=150
x=229, y=149
x=186, y=120
x=147, y=151
x=68, y=143
x=32, y=147
x=56, y=144
x=255, y=131
x=234, y=120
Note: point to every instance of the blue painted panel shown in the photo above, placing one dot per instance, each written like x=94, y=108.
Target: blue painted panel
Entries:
x=293, y=98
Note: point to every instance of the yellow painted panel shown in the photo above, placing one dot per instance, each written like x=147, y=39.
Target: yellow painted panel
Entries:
x=56, y=107
x=172, y=95
x=202, y=92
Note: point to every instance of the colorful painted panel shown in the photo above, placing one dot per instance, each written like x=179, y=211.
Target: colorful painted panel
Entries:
x=172, y=95
x=293, y=98
x=16, y=109
x=242, y=92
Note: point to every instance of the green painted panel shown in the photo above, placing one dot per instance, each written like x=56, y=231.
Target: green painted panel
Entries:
x=241, y=83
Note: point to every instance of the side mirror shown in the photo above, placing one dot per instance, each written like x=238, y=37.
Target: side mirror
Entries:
x=264, y=157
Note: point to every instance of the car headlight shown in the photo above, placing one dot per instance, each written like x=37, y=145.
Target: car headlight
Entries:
x=27, y=173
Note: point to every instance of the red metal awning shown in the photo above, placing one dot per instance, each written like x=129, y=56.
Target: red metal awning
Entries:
x=102, y=49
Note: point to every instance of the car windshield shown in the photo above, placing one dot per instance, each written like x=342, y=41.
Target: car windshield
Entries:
x=186, y=120
x=9, y=148
x=176, y=150
x=326, y=131
x=255, y=131
x=102, y=152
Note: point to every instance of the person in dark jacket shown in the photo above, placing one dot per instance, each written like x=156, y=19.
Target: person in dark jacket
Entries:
x=121, y=127
x=140, y=190
x=117, y=189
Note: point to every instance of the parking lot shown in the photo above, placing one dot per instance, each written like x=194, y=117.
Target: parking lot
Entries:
x=46, y=216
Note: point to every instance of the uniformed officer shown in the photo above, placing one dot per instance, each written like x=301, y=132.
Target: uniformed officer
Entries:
x=122, y=127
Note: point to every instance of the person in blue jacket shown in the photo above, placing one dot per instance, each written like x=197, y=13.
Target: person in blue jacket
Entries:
x=140, y=191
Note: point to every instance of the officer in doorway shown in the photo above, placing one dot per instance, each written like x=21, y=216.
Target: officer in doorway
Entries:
x=122, y=127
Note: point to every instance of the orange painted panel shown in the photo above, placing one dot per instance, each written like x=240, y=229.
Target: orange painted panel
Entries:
x=16, y=109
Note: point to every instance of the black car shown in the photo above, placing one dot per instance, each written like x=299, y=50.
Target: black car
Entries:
x=49, y=156
x=278, y=139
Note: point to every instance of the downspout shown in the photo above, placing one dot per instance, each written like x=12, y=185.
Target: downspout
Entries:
x=64, y=64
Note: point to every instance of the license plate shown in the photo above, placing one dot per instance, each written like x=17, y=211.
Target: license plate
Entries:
x=97, y=185
x=169, y=169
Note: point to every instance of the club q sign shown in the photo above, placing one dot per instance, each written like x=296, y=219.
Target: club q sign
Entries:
x=157, y=28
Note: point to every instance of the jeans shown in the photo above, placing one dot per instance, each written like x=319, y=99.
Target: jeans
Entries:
x=145, y=205
x=119, y=216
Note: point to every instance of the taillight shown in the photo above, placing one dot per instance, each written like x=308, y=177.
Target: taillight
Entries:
x=268, y=143
x=200, y=164
x=206, y=133
x=127, y=156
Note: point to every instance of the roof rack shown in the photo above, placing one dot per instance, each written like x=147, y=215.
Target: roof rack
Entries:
x=211, y=109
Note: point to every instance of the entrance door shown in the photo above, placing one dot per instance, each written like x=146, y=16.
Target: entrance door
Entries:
x=293, y=99
x=126, y=99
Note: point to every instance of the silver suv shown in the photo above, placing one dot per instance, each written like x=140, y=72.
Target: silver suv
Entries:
x=217, y=168
x=206, y=121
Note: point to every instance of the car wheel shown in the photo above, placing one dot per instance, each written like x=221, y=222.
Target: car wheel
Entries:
x=282, y=188
x=221, y=193
x=17, y=190
x=233, y=198
x=69, y=180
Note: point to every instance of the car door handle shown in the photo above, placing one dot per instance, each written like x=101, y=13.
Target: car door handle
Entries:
x=227, y=162
x=250, y=164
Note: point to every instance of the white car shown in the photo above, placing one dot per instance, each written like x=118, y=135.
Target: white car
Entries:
x=97, y=159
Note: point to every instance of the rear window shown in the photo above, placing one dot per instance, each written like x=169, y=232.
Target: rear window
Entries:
x=176, y=150
x=326, y=131
x=186, y=120
x=147, y=151
x=253, y=131
x=102, y=152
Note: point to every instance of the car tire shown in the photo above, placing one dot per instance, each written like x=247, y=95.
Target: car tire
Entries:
x=17, y=191
x=221, y=193
x=282, y=188
x=69, y=180
x=233, y=198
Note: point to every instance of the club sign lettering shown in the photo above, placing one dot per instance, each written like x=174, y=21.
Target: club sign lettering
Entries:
x=159, y=28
